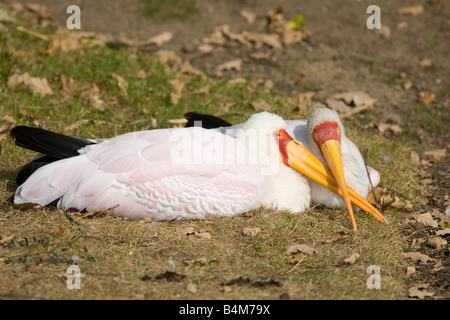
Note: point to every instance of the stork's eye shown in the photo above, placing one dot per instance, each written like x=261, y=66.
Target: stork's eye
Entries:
x=277, y=134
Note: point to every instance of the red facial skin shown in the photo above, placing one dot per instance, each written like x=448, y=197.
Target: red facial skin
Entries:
x=327, y=131
x=282, y=138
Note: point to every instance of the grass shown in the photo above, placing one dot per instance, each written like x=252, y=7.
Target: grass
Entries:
x=116, y=255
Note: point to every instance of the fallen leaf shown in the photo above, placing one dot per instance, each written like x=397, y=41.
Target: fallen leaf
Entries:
x=68, y=87
x=386, y=127
x=436, y=242
x=417, y=256
x=37, y=85
x=203, y=235
x=121, y=83
x=338, y=105
x=302, y=100
x=297, y=258
x=188, y=231
x=160, y=39
x=411, y=10
x=205, y=48
x=384, y=31
x=58, y=231
x=294, y=248
x=250, y=17
x=260, y=39
x=191, y=288
x=35, y=270
x=216, y=37
x=186, y=67
x=407, y=85
x=426, y=219
x=168, y=57
x=436, y=155
x=261, y=105
x=231, y=65
x=427, y=97
x=251, y=232
x=415, y=158
x=338, y=237
x=425, y=63
x=419, y=291
x=443, y=232
x=356, y=98
x=40, y=11
x=410, y=270
x=176, y=94
x=402, y=25
x=352, y=258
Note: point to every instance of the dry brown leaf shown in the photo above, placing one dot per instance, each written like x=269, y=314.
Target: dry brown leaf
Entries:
x=338, y=237
x=436, y=242
x=386, y=127
x=356, y=98
x=160, y=39
x=186, y=67
x=411, y=10
x=417, y=256
x=37, y=85
x=176, y=94
x=250, y=17
x=410, y=270
x=338, y=105
x=40, y=11
x=251, y=232
x=70, y=129
x=35, y=270
x=294, y=248
x=168, y=57
x=216, y=37
x=302, y=100
x=407, y=85
x=415, y=158
x=203, y=235
x=259, y=39
x=297, y=258
x=402, y=25
x=205, y=48
x=58, y=231
x=293, y=36
x=427, y=97
x=384, y=31
x=443, y=232
x=427, y=181
x=121, y=83
x=68, y=87
x=262, y=55
x=231, y=65
x=426, y=219
x=204, y=90
x=261, y=105
x=352, y=258
x=420, y=291
x=234, y=36
x=425, y=63
x=177, y=122
x=436, y=155
x=142, y=74
x=6, y=124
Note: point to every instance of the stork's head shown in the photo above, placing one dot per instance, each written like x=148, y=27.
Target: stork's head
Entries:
x=325, y=131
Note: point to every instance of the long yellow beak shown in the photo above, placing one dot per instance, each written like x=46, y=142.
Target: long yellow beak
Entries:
x=298, y=157
x=331, y=150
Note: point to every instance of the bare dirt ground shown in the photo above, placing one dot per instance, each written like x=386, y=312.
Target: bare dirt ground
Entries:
x=400, y=69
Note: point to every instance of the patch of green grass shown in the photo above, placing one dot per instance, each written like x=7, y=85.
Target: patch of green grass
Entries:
x=169, y=9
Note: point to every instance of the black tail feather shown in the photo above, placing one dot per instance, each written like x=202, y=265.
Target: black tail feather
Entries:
x=56, y=145
x=53, y=146
x=207, y=121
